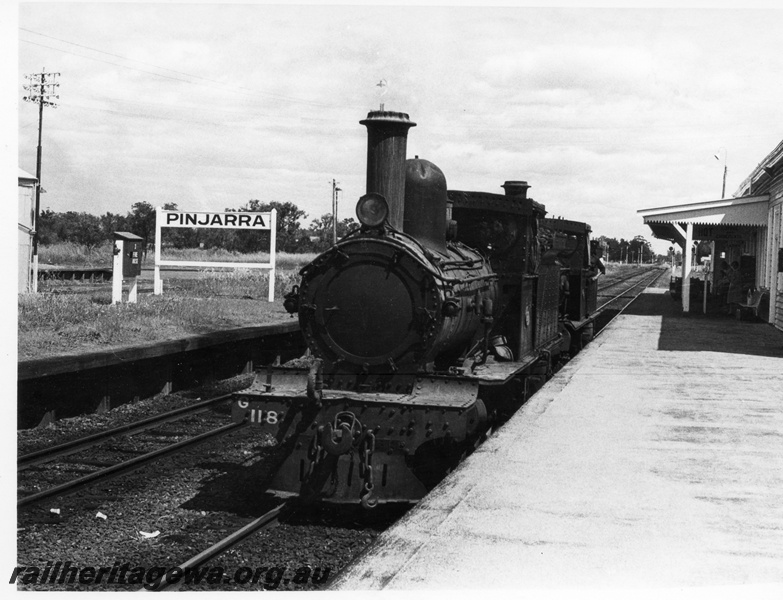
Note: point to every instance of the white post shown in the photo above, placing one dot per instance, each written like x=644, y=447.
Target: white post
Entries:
x=272, y=254
x=707, y=269
x=35, y=275
x=134, y=290
x=771, y=280
x=157, y=284
x=686, y=268
x=116, y=277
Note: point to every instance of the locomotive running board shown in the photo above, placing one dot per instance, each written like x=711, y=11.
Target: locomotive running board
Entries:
x=577, y=325
x=500, y=373
x=425, y=389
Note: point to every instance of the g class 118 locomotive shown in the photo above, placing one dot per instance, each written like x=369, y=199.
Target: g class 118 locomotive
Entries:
x=427, y=326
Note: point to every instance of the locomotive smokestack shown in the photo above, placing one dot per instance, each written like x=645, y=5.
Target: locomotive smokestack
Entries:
x=387, y=140
x=516, y=189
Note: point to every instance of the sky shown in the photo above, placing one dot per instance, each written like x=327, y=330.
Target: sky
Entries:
x=603, y=111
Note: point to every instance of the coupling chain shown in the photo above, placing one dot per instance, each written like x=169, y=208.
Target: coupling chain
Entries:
x=366, y=470
x=314, y=454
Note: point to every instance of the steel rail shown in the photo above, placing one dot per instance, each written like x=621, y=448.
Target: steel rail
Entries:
x=126, y=466
x=166, y=584
x=644, y=281
x=600, y=331
x=46, y=454
x=614, y=282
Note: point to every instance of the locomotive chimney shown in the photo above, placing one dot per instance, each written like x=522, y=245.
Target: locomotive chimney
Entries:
x=387, y=139
x=516, y=189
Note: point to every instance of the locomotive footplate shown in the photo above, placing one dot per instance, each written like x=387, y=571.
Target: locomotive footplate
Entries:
x=348, y=446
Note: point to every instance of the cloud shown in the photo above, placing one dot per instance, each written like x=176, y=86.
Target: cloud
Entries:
x=602, y=111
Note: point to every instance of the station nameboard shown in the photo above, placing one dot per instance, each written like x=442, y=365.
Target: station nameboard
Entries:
x=230, y=220
x=226, y=220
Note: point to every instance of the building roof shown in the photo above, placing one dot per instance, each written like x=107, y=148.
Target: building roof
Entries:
x=759, y=180
x=748, y=208
x=25, y=177
x=668, y=222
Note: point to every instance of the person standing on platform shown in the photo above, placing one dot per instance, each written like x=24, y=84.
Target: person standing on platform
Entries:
x=734, y=277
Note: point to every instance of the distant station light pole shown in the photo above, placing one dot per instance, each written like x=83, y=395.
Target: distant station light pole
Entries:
x=725, y=168
x=335, y=191
x=41, y=90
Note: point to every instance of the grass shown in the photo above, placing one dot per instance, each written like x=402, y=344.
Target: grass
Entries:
x=284, y=260
x=67, y=254
x=67, y=317
x=57, y=321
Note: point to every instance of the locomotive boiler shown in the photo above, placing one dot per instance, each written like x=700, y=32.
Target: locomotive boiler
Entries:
x=427, y=326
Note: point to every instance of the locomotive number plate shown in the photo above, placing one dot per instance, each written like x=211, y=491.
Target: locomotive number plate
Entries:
x=257, y=413
x=265, y=417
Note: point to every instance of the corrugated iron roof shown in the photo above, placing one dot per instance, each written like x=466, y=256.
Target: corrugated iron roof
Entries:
x=750, y=210
x=771, y=161
x=26, y=176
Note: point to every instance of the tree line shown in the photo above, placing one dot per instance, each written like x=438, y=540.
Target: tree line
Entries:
x=628, y=251
x=90, y=230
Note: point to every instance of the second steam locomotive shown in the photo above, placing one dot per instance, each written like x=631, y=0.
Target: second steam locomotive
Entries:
x=427, y=326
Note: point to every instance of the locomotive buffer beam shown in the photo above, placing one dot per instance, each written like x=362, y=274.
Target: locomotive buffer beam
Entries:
x=363, y=447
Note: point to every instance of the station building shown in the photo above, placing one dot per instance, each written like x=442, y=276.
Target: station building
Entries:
x=27, y=186
x=747, y=228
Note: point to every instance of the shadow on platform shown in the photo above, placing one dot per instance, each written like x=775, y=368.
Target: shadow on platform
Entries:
x=711, y=332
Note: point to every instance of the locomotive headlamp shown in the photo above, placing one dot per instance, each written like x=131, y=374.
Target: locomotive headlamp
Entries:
x=372, y=210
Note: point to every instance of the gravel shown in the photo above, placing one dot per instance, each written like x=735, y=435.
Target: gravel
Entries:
x=162, y=514
x=65, y=430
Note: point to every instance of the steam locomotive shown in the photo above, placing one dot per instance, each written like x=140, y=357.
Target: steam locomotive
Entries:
x=427, y=326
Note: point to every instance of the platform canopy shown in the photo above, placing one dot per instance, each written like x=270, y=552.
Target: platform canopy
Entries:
x=708, y=219
x=718, y=220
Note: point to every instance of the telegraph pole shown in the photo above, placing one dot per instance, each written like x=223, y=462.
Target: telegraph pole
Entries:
x=41, y=89
x=335, y=190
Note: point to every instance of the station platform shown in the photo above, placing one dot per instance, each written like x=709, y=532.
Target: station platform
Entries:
x=652, y=460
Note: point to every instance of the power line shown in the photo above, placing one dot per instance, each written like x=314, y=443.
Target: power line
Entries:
x=141, y=62
x=246, y=90
x=110, y=63
x=240, y=117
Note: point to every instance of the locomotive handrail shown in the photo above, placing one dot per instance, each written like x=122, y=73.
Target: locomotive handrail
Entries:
x=461, y=263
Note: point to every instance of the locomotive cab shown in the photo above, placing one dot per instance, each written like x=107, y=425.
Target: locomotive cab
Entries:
x=570, y=242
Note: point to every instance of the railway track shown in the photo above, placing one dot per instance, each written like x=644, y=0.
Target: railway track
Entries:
x=60, y=450
x=646, y=280
x=29, y=462
x=638, y=280
x=615, y=280
x=172, y=579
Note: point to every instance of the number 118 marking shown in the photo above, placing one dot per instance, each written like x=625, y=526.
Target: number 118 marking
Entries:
x=264, y=416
